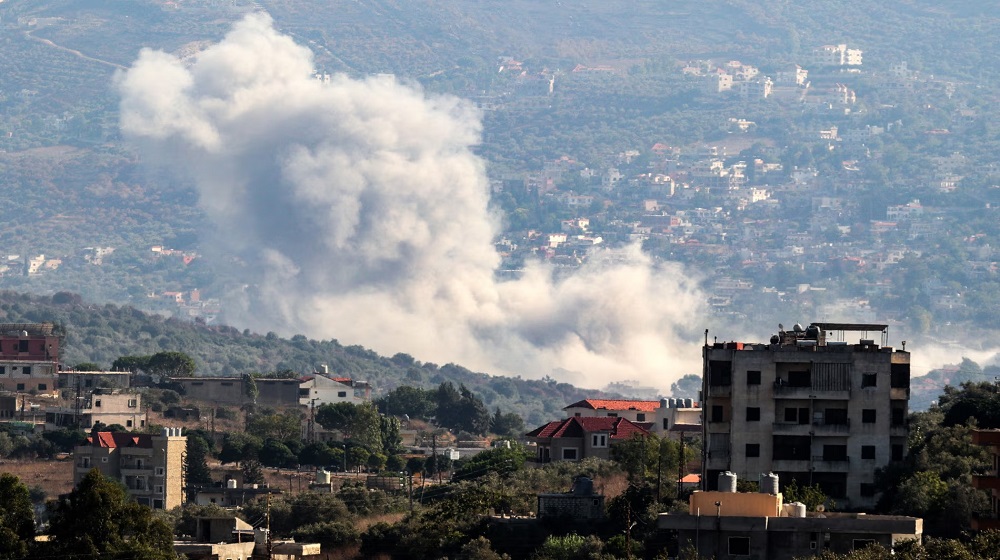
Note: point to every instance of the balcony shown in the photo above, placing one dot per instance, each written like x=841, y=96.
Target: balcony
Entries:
x=133, y=471
x=782, y=391
x=137, y=452
x=790, y=429
x=825, y=429
x=899, y=429
x=899, y=393
x=720, y=390
x=830, y=465
x=790, y=465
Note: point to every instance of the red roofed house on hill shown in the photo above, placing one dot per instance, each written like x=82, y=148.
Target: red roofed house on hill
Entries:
x=150, y=467
x=667, y=417
x=580, y=437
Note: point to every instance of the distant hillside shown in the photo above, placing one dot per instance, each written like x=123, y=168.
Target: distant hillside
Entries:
x=925, y=390
x=102, y=333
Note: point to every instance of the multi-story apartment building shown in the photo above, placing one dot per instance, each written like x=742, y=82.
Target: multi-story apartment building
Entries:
x=29, y=358
x=107, y=406
x=809, y=406
x=151, y=467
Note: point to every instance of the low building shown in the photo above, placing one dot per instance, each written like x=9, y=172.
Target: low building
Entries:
x=320, y=389
x=579, y=437
x=149, y=466
x=580, y=503
x=106, y=406
x=731, y=526
x=235, y=390
x=671, y=417
x=29, y=376
x=88, y=380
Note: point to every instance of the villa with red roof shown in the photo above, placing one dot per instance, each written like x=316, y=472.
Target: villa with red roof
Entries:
x=671, y=417
x=150, y=466
x=582, y=437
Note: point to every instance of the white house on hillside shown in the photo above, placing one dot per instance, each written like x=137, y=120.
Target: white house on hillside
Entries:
x=319, y=389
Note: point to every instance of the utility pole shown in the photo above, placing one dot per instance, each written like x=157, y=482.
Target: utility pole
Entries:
x=409, y=475
x=268, y=543
x=434, y=455
x=311, y=435
x=680, y=468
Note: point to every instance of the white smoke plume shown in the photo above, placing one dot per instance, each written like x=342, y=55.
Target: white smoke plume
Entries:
x=365, y=212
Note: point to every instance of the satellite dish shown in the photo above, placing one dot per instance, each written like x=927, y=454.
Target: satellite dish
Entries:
x=821, y=508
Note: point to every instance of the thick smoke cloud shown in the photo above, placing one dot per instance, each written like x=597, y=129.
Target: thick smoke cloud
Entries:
x=364, y=213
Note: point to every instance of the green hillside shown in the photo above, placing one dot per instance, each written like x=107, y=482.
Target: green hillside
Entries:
x=102, y=333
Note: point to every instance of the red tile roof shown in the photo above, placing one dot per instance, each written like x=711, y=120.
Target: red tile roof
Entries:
x=120, y=439
x=609, y=404
x=619, y=428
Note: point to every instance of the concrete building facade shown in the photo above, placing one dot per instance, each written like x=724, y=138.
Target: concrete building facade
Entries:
x=989, y=482
x=106, y=406
x=150, y=467
x=809, y=406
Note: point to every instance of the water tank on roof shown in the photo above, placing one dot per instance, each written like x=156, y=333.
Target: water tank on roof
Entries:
x=797, y=328
x=812, y=331
x=727, y=482
x=688, y=403
x=769, y=484
x=323, y=477
x=798, y=510
x=664, y=403
x=583, y=486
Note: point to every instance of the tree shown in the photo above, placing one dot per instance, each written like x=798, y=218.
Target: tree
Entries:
x=459, y=409
x=410, y=401
x=974, y=400
x=238, y=447
x=171, y=364
x=87, y=366
x=276, y=454
x=131, y=364
x=98, y=519
x=811, y=496
x=501, y=460
x=277, y=426
x=252, y=472
x=195, y=461
x=17, y=521
x=360, y=423
x=509, y=424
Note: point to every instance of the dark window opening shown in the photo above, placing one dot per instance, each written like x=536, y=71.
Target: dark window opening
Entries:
x=791, y=448
x=897, y=452
x=803, y=416
x=341, y=394
x=869, y=380
x=791, y=415
x=22, y=345
x=739, y=546
x=26, y=370
x=753, y=377
x=835, y=416
x=799, y=379
x=20, y=386
x=867, y=489
x=720, y=374
x=753, y=450
x=834, y=452
x=717, y=414
x=867, y=451
x=899, y=376
x=640, y=417
x=868, y=416
x=898, y=417
x=753, y=414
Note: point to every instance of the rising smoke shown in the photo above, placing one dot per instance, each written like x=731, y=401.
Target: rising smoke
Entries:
x=364, y=214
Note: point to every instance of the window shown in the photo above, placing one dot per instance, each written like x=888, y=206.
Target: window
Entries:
x=612, y=415
x=739, y=546
x=869, y=380
x=226, y=384
x=85, y=462
x=599, y=440
x=26, y=370
x=159, y=471
x=577, y=414
x=22, y=345
x=867, y=451
x=132, y=403
x=43, y=387
x=791, y=415
x=341, y=394
x=898, y=417
x=97, y=403
x=753, y=450
x=753, y=414
x=753, y=377
x=20, y=386
x=569, y=454
x=158, y=489
x=834, y=452
x=128, y=423
x=104, y=459
x=157, y=504
x=799, y=379
x=717, y=413
x=897, y=452
x=3, y=370
x=640, y=417
x=899, y=376
x=666, y=423
x=835, y=416
x=720, y=374
x=868, y=416
x=867, y=489
x=88, y=383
